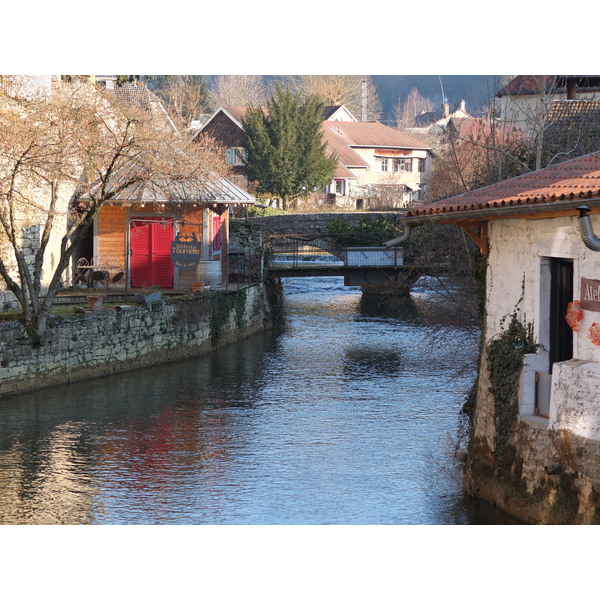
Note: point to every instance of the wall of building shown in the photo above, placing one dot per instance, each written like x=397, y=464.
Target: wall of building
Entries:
x=549, y=472
x=111, y=233
x=524, y=111
x=375, y=175
x=518, y=249
x=101, y=343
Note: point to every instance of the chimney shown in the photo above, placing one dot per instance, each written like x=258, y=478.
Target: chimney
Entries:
x=446, y=109
x=463, y=105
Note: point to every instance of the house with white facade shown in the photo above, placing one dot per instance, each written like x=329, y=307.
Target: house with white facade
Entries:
x=535, y=451
x=378, y=165
x=435, y=121
x=526, y=99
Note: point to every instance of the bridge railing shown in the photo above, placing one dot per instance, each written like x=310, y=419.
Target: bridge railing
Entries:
x=298, y=254
x=373, y=257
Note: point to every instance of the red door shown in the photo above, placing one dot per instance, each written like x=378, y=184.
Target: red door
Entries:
x=150, y=243
x=216, y=235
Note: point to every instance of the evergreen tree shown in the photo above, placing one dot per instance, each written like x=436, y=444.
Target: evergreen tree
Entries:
x=286, y=152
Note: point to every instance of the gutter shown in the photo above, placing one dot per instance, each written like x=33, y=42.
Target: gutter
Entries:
x=498, y=212
x=587, y=232
x=402, y=238
x=503, y=212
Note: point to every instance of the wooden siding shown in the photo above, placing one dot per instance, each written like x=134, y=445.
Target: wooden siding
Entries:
x=191, y=223
x=112, y=230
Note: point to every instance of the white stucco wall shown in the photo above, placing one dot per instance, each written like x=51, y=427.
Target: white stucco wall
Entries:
x=518, y=265
x=374, y=174
x=524, y=111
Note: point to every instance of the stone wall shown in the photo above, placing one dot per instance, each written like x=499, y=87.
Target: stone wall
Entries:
x=316, y=222
x=95, y=344
x=549, y=471
x=544, y=476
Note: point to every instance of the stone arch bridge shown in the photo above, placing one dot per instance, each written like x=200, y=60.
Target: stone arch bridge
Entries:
x=376, y=270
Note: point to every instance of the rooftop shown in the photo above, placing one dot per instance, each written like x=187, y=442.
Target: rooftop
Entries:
x=535, y=84
x=557, y=186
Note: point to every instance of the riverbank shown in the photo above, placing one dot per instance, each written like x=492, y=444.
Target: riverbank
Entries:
x=537, y=474
x=95, y=344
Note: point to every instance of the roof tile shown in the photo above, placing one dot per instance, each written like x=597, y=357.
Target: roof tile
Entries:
x=577, y=178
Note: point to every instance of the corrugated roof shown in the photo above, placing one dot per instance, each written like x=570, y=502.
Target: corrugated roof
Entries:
x=568, y=181
x=210, y=189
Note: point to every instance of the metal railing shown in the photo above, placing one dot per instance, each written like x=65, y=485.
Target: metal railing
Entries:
x=297, y=254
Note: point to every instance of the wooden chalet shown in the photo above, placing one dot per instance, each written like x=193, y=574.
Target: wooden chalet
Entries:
x=132, y=235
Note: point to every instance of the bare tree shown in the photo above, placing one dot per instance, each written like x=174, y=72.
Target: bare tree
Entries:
x=356, y=92
x=237, y=90
x=185, y=97
x=530, y=112
x=414, y=105
x=476, y=153
x=61, y=159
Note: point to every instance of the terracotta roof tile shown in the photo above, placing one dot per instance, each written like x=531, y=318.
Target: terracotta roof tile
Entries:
x=527, y=84
x=573, y=128
x=571, y=180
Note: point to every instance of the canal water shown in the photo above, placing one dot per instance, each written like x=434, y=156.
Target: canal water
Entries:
x=348, y=416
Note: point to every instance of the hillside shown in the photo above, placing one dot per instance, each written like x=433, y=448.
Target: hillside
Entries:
x=477, y=90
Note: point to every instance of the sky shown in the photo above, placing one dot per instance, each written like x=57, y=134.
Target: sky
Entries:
x=268, y=38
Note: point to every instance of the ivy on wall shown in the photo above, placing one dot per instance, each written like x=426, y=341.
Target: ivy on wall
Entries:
x=505, y=355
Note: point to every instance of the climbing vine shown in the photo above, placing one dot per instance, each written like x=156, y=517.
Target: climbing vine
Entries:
x=505, y=355
x=222, y=305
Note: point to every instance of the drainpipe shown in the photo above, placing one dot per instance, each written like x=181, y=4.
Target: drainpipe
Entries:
x=402, y=238
x=587, y=232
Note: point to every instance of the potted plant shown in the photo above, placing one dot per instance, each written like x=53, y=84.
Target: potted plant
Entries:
x=95, y=301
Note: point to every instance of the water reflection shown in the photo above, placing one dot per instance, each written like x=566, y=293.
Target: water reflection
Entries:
x=344, y=418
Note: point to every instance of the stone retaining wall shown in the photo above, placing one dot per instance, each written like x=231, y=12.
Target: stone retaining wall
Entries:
x=545, y=475
x=317, y=222
x=96, y=344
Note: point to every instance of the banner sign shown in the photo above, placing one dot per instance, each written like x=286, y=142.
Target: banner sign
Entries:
x=590, y=294
x=185, y=250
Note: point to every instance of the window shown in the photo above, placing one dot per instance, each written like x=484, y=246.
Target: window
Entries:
x=421, y=165
x=235, y=157
x=384, y=164
x=403, y=164
x=339, y=186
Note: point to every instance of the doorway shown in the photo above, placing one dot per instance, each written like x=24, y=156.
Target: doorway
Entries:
x=150, y=247
x=561, y=293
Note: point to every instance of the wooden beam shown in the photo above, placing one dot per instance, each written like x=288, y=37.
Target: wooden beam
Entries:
x=478, y=232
